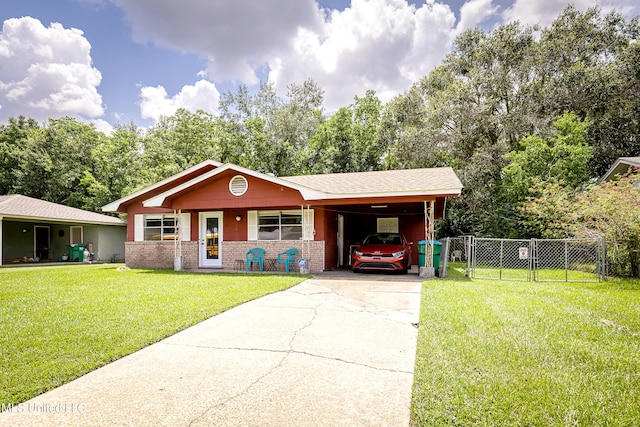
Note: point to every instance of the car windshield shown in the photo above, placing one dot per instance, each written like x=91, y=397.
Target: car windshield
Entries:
x=384, y=239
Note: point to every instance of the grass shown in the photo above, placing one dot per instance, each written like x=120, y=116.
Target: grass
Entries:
x=510, y=353
x=58, y=323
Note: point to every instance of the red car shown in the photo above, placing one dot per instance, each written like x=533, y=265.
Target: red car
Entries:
x=382, y=251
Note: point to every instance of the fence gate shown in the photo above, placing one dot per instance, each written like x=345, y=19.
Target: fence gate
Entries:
x=500, y=259
x=542, y=260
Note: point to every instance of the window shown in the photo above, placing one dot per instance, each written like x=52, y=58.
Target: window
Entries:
x=76, y=236
x=387, y=225
x=279, y=225
x=159, y=227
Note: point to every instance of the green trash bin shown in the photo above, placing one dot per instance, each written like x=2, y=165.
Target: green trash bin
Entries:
x=422, y=253
x=76, y=252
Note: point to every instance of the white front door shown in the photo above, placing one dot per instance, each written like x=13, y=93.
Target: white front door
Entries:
x=210, y=239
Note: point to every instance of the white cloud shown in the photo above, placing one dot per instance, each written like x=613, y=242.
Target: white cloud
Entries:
x=155, y=102
x=384, y=45
x=103, y=126
x=236, y=36
x=475, y=12
x=46, y=72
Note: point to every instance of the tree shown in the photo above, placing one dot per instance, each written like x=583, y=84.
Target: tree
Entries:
x=560, y=160
x=178, y=142
x=611, y=209
x=366, y=119
x=330, y=149
x=563, y=157
x=348, y=140
x=588, y=63
x=117, y=167
x=274, y=133
x=13, y=140
x=54, y=159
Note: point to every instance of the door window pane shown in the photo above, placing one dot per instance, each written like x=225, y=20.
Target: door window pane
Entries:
x=213, y=239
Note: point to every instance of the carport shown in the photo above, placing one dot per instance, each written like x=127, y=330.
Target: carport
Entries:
x=356, y=204
x=350, y=223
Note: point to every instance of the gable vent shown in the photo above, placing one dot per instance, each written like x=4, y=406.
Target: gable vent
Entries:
x=238, y=185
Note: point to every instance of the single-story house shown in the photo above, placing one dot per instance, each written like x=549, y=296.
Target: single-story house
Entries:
x=37, y=230
x=620, y=167
x=210, y=215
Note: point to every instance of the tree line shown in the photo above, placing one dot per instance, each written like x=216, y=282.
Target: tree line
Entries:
x=515, y=111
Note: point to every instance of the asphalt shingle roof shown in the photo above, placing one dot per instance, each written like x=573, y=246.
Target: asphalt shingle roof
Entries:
x=23, y=207
x=392, y=181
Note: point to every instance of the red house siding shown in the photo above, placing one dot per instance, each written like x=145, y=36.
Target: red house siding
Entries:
x=214, y=194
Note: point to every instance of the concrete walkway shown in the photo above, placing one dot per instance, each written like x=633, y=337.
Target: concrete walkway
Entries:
x=327, y=352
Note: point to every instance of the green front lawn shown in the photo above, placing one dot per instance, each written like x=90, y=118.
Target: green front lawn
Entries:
x=58, y=323
x=505, y=353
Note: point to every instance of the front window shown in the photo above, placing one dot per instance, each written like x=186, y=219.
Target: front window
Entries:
x=280, y=225
x=159, y=227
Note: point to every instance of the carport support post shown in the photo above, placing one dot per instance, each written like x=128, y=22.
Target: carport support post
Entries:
x=177, y=240
x=428, y=271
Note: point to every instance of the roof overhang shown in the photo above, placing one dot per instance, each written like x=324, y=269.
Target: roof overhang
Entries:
x=447, y=192
x=115, y=206
x=23, y=218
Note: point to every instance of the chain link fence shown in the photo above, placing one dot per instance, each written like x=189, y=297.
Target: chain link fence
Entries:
x=543, y=260
x=569, y=260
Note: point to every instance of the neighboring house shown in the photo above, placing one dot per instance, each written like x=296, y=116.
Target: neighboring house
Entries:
x=211, y=214
x=620, y=167
x=33, y=229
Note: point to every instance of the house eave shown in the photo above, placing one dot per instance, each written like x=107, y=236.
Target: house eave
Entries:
x=115, y=206
x=23, y=218
x=427, y=194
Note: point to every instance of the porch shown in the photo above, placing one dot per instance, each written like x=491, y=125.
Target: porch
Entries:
x=161, y=254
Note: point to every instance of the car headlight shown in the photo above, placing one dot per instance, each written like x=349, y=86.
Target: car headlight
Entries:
x=359, y=253
x=399, y=253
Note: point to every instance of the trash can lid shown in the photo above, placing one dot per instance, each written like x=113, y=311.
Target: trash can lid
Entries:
x=434, y=242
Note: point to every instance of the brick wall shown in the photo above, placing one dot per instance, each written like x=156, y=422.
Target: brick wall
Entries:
x=233, y=251
x=149, y=254
x=161, y=254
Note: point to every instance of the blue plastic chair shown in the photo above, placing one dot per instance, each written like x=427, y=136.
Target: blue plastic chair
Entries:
x=255, y=255
x=288, y=256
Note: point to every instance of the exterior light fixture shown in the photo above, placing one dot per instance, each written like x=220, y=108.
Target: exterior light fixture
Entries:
x=238, y=218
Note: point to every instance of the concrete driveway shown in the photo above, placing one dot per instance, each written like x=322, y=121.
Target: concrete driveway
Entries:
x=333, y=350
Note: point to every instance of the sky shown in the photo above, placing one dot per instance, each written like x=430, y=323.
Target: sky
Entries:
x=112, y=62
